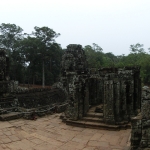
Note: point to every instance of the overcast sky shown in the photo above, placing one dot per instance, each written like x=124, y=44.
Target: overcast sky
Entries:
x=112, y=24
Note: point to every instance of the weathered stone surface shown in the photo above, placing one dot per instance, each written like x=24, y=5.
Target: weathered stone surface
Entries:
x=59, y=136
x=16, y=101
x=119, y=90
x=140, y=134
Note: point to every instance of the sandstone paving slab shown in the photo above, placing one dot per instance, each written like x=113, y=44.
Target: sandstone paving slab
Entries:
x=48, y=140
x=114, y=140
x=5, y=130
x=68, y=135
x=96, y=136
x=117, y=147
x=105, y=137
x=63, y=139
x=7, y=133
x=14, y=138
x=80, y=136
x=90, y=132
x=22, y=134
x=50, y=126
x=2, y=136
x=12, y=130
x=36, y=141
x=52, y=130
x=98, y=143
x=72, y=145
x=77, y=129
x=63, y=126
x=5, y=125
x=20, y=145
x=6, y=140
x=103, y=148
x=1, y=132
x=50, y=133
x=89, y=148
x=53, y=135
x=45, y=146
x=3, y=146
x=79, y=140
x=124, y=141
x=28, y=142
x=66, y=132
x=113, y=133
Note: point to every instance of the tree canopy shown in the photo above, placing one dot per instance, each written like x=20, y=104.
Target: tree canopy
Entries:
x=29, y=52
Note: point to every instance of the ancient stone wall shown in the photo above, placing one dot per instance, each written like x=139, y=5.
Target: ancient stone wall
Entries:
x=37, y=98
x=121, y=93
x=140, y=134
x=23, y=100
x=118, y=89
x=3, y=72
x=74, y=76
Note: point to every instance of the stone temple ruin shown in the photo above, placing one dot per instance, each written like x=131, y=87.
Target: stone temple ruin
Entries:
x=107, y=98
x=115, y=92
x=16, y=102
x=140, y=134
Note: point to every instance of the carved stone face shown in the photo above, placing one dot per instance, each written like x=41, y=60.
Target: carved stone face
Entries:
x=74, y=58
x=67, y=62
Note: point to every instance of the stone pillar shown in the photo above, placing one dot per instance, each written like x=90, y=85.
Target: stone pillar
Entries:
x=132, y=100
x=136, y=132
x=123, y=100
x=109, y=116
x=74, y=70
x=80, y=98
x=86, y=97
x=100, y=91
x=117, y=98
x=145, y=141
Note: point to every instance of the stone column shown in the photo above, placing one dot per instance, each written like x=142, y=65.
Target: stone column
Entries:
x=117, y=98
x=131, y=96
x=109, y=102
x=136, y=132
x=123, y=99
x=86, y=97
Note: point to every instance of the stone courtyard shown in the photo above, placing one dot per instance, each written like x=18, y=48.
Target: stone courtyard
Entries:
x=50, y=133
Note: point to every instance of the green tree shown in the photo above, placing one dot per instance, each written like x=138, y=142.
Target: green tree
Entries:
x=97, y=48
x=41, y=53
x=29, y=48
x=45, y=35
x=47, y=46
x=110, y=60
x=94, y=55
x=137, y=48
x=9, y=35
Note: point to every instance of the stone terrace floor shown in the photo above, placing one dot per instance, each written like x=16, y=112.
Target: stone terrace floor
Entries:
x=50, y=133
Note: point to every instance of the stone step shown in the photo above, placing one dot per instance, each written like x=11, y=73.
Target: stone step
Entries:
x=93, y=114
x=7, y=98
x=92, y=119
x=7, y=110
x=96, y=125
x=10, y=116
x=99, y=110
